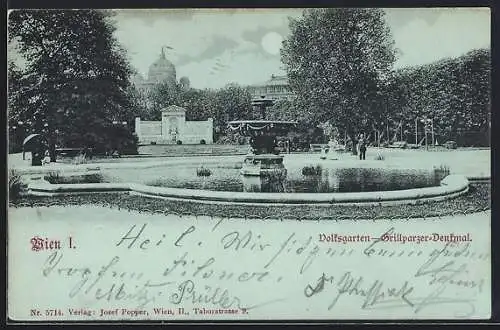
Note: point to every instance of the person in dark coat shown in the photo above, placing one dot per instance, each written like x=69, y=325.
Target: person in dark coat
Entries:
x=362, y=146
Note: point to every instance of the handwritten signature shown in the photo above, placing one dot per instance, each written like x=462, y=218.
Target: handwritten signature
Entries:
x=377, y=294
x=109, y=284
x=106, y=284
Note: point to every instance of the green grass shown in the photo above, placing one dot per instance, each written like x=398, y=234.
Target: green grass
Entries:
x=476, y=200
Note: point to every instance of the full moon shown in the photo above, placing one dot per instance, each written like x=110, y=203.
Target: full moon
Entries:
x=271, y=43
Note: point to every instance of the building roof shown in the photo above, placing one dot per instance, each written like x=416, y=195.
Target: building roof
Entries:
x=274, y=81
x=161, y=69
x=173, y=108
x=278, y=80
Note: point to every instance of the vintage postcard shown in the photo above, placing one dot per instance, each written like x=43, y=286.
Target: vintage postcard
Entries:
x=249, y=164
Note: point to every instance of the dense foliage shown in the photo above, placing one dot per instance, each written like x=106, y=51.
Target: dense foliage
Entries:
x=232, y=102
x=337, y=62
x=455, y=93
x=74, y=85
x=340, y=65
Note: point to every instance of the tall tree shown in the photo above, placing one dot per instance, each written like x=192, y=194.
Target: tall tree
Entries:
x=454, y=92
x=232, y=102
x=17, y=128
x=338, y=61
x=162, y=95
x=76, y=78
x=198, y=103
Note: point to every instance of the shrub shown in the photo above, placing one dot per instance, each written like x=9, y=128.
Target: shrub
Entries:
x=242, y=140
x=100, y=139
x=57, y=178
x=128, y=144
x=16, y=185
x=203, y=171
x=441, y=171
x=179, y=142
x=52, y=177
x=312, y=170
x=93, y=178
x=231, y=138
x=202, y=141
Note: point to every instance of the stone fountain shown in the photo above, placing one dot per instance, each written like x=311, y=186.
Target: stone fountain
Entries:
x=263, y=169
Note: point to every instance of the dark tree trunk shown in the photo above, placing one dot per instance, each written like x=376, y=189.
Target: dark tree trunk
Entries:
x=52, y=147
x=354, y=142
x=354, y=145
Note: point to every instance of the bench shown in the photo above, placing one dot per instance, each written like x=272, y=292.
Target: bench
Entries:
x=398, y=145
x=319, y=147
x=70, y=152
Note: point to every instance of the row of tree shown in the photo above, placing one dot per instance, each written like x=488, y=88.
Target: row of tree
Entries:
x=340, y=65
x=454, y=93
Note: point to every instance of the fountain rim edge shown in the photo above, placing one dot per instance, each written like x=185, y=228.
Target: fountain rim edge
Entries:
x=262, y=122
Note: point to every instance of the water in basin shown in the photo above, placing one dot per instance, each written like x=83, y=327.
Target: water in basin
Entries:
x=299, y=179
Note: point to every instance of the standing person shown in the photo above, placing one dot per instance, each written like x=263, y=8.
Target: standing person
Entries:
x=362, y=146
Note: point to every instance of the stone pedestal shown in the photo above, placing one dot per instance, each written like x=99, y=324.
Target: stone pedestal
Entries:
x=263, y=169
x=263, y=173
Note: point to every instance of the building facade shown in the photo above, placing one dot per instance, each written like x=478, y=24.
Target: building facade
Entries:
x=174, y=129
x=276, y=88
x=160, y=71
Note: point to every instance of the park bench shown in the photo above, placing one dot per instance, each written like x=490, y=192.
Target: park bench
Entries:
x=316, y=147
x=398, y=145
x=450, y=145
x=69, y=152
x=74, y=155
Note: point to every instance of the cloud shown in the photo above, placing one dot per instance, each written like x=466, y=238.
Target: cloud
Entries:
x=398, y=17
x=452, y=33
x=216, y=46
x=245, y=69
x=204, y=39
x=256, y=35
x=149, y=16
x=198, y=34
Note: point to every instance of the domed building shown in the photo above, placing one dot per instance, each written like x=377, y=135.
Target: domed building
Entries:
x=160, y=71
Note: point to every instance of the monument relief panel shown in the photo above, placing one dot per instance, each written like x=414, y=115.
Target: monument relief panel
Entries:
x=173, y=128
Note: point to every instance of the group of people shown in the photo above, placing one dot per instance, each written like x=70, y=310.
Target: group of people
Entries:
x=361, y=145
x=41, y=156
x=360, y=141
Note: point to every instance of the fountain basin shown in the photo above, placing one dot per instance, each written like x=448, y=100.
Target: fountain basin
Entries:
x=263, y=165
x=451, y=186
